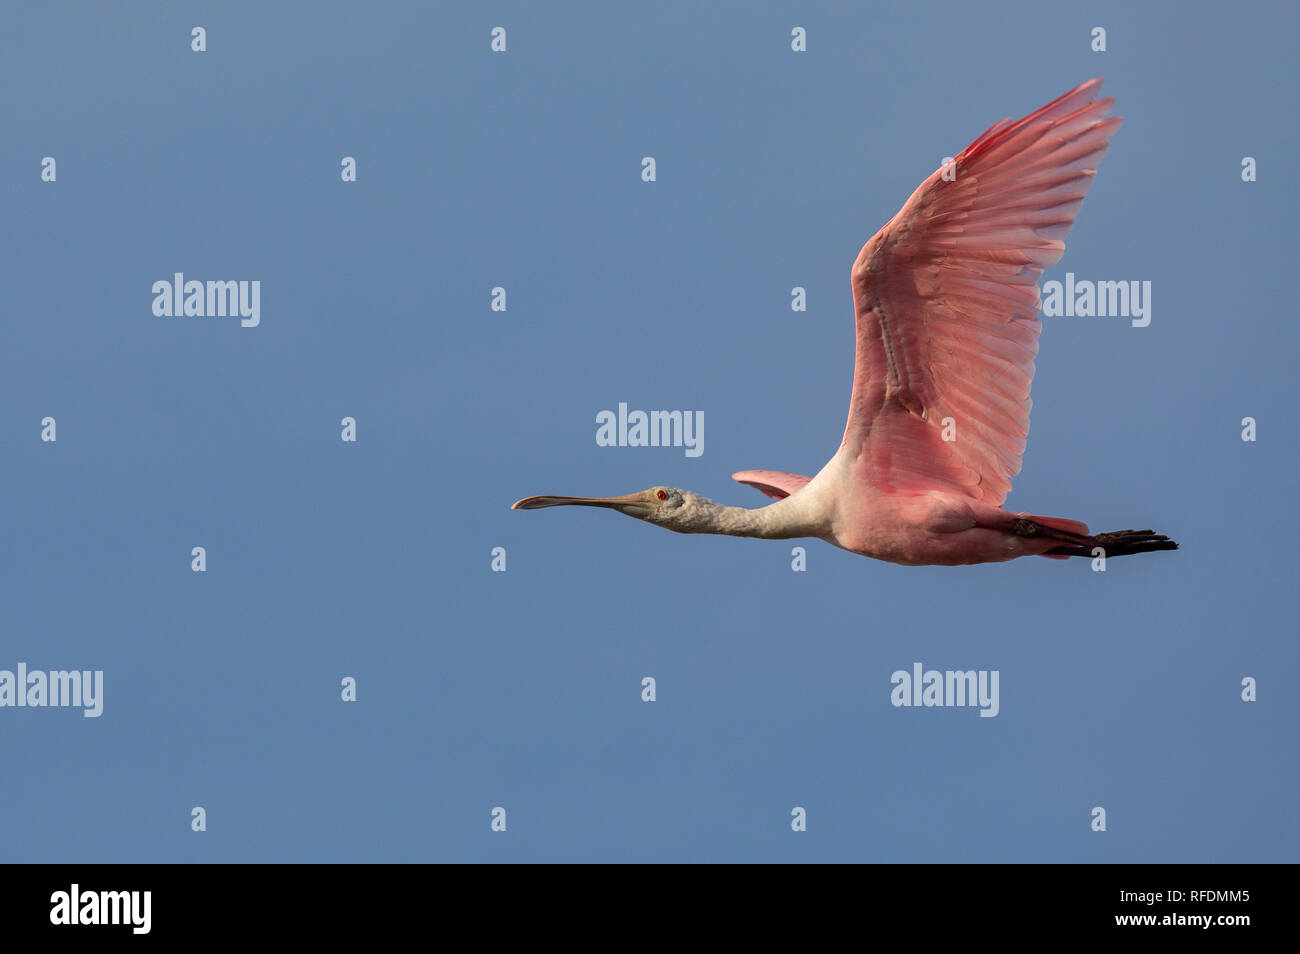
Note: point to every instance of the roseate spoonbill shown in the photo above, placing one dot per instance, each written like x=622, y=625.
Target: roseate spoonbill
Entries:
x=946, y=301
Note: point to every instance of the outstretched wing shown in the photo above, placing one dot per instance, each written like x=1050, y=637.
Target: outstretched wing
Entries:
x=774, y=483
x=947, y=300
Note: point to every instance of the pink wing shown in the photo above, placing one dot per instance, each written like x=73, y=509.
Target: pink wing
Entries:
x=774, y=483
x=946, y=299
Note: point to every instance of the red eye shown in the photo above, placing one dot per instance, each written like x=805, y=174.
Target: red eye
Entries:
x=661, y=495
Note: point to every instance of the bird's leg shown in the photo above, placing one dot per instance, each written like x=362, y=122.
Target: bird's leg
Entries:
x=1117, y=543
x=1023, y=527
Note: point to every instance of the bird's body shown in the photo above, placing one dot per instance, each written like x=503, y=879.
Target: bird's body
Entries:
x=946, y=303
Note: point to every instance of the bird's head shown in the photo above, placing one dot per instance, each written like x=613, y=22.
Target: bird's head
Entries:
x=666, y=506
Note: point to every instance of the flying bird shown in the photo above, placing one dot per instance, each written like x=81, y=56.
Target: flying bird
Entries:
x=946, y=302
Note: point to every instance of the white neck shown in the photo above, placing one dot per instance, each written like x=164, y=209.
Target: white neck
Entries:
x=782, y=520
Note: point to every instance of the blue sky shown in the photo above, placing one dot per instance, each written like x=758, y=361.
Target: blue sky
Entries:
x=522, y=689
